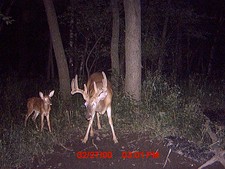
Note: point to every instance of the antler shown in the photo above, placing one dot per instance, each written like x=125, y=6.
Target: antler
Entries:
x=75, y=88
x=104, y=82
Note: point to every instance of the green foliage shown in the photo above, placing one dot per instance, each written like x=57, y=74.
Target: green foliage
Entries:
x=20, y=146
x=168, y=109
x=92, y=35
x=171, y=110
x=124, y=110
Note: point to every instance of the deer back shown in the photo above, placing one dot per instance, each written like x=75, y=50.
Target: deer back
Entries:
x=97, y=78
x=35, y=103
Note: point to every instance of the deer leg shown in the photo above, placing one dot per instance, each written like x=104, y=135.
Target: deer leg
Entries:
x=42, y=121
x=29, y=112
x=36, y=113
x=98, y=121
x=88, y=130
x=92, y=132
x=111, y=124
x=49, y=125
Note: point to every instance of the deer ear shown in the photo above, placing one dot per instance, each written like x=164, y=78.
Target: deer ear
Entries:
x=102, y=95
x=41, y=95
x=51, y=93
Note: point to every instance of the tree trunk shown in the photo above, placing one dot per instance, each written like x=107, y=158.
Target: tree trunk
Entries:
x=188, y=57
x=115, y=41
x=133, y=48
x=163, y=42
x=177, y=68
x=213, y=48
x=50, y=65
x=72, y=40
x=64, y=81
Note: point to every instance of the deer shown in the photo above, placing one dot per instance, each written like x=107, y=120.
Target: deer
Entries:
x=97, y=94
x=39, y=105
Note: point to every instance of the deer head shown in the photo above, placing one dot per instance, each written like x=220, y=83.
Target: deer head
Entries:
x=92, y=96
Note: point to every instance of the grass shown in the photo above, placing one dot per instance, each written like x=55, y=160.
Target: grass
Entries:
x=166, y=109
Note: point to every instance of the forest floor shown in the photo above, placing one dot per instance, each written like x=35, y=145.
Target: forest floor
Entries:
x=112, y=155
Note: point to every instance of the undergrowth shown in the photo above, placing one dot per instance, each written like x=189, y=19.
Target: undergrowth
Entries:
x=165, y=109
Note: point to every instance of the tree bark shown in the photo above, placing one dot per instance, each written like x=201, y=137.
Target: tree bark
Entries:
x=213, y=48
x=50, y=65
x=133, y=48
x=115, y=39
x=64, y=81
x=163, y=41
x=177, y=67
x=72, y=41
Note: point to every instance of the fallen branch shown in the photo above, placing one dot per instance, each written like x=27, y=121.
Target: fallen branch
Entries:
x=57, y=142
x=94, y=144
x=60, y=144
x=167, y=158
x=219, y=152
x=219, y=156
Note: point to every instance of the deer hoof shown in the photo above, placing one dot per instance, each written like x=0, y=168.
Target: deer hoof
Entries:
x=84, y=141
x=115, y=140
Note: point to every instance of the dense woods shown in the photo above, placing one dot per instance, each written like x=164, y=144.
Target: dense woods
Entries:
x=177, y=38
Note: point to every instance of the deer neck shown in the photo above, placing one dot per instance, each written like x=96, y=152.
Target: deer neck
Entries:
x=46, y=107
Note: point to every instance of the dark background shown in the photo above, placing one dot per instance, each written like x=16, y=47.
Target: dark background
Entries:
x=25, y=43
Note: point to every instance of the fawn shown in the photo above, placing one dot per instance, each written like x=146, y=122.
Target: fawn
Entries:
x=40, y=106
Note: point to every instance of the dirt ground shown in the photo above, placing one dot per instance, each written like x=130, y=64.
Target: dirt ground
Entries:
x=112, y=155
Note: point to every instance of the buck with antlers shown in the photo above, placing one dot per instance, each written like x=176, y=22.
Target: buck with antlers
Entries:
x=41, y=106
x=98, y=96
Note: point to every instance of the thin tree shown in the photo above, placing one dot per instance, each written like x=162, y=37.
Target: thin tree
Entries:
x=50, y=65
x=115, y=39
x=163, y=41
x=133, y=48
x=213, y=48
x=64, y=81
